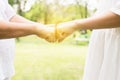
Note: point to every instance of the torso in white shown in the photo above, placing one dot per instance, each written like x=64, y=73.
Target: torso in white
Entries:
x=7, y=46
x=103, y=59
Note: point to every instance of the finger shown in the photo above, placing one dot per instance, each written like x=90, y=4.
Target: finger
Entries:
x=51, y=38
x=60, y=38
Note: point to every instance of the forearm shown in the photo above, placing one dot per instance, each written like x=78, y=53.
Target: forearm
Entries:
x=13, y=30
x=108, y=20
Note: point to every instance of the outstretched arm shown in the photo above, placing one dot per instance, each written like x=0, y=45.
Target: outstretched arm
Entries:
x=108, y=20
x=12, y=29
x=43, y=31
x=19, y=26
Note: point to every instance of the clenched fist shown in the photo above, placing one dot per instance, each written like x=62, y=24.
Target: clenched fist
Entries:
x=46, y=32
x=55, y=33
x=63, y=30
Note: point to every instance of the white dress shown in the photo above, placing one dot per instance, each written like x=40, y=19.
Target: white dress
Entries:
x=103, y=58
x=7, y=46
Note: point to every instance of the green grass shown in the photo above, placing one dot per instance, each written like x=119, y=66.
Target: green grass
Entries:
x=38, y=60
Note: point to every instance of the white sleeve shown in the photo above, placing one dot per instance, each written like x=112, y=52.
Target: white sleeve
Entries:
x=9, y=11
x=116, y=8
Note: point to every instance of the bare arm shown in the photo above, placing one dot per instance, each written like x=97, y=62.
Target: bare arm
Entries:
x=19, y=26
x=12, y=29
x=108, y=20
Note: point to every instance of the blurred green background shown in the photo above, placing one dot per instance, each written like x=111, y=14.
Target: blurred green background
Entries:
x=35, y=58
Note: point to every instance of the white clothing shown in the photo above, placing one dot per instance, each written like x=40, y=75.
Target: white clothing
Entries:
x=7, y=78
x=7, y=46
x=103, y=58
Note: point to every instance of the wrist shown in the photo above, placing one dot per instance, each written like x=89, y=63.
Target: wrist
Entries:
x=38, y=29
x=78, y=24
x=33, y=29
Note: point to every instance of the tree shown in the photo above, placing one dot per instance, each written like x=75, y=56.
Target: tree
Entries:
x=19, y=7
x=46, y=11
x=11, y=2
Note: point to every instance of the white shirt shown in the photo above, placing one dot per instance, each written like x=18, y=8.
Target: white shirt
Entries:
x=116, y=9
x=103, y=58
x=7, y=46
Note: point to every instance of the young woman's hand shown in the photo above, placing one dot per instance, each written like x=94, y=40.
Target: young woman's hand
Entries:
x=64, y=30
